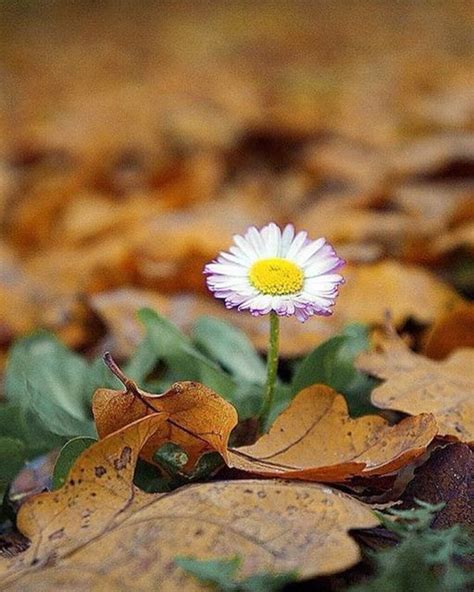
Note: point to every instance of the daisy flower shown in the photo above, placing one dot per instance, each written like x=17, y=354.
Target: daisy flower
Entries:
x=270, y=270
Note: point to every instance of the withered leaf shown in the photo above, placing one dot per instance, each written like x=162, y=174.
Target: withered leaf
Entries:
x=100, y=524
x=198, y=419
x=445, y=477
x=415, y=384
x=314, y=439
x=453, y=330
x=406, y=291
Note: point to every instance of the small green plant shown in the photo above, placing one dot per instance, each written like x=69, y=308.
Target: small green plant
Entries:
x=222, y=575
x=425, y=559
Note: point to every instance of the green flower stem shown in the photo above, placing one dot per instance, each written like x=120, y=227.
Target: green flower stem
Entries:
x=272, y=368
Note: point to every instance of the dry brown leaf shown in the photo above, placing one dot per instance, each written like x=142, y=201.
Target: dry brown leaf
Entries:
x=198, y=419
x=354, y=164
x=99, y=524
x=414, y=384
x=453, y=330
x=431, y=155
x=406, y=291
x=460, y=237
x=433, y=204
x=298, y=446
x=188, y=239
x=118, y=311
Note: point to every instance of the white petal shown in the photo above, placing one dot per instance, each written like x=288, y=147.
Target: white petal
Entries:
x=308, y=251
x=254, y=238
x=296, y=245
x=226, y=269
x=245, y=246
x=286, y=240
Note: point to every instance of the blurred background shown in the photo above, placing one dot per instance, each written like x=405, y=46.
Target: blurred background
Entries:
x=137, y=137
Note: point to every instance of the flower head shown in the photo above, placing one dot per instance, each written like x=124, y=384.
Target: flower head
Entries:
x=272, y=270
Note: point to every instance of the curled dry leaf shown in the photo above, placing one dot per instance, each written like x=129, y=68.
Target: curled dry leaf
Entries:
x=414, y=384
x=316, y=440
x=131, y=543
x=198, y=419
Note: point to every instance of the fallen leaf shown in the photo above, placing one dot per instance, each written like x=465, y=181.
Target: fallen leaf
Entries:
x=461, y=237
x=100, y=524
x=415, y=384
x=407, y=291
x=429, y=156
x=453, y=330
x=343, y=224
x=118, y=310
x=446, y=477
x=198, y=419
x=298, y=446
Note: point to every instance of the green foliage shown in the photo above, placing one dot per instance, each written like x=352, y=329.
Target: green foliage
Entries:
x=67, y=457
x=222, y=574
x=13, y=455
x=45, y=377
x=185, y=361
x=332, y=363
x=49, y=388
x=172, y=459
x=48, y=392
x=425, y=560
x=231, y=348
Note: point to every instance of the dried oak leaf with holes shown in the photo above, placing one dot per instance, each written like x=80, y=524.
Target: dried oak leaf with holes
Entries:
x=415, y=384
x=198, y=419
x=99, y=523
x=315, y=439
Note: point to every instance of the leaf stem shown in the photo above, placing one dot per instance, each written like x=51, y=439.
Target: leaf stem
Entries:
x=128, y=383
x=272, y=369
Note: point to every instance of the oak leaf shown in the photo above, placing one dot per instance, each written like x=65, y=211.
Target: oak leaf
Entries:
x=315, y=439
x=99, y=524
x=415, y=384
x=198, y=419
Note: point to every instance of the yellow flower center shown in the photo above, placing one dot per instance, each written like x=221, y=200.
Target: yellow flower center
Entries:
x=276, y=276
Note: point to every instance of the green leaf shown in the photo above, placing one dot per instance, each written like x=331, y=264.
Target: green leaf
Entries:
x=47, y=380
x=282, y=397
x=231, y=348
x=425, y=560
x=222, y=573
x=248, y=399
x=172, y=459
x=12, y=458
x=23, y=423
x=67, y=457
x=332, y=363
x=185, y=361
x=142, y=362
